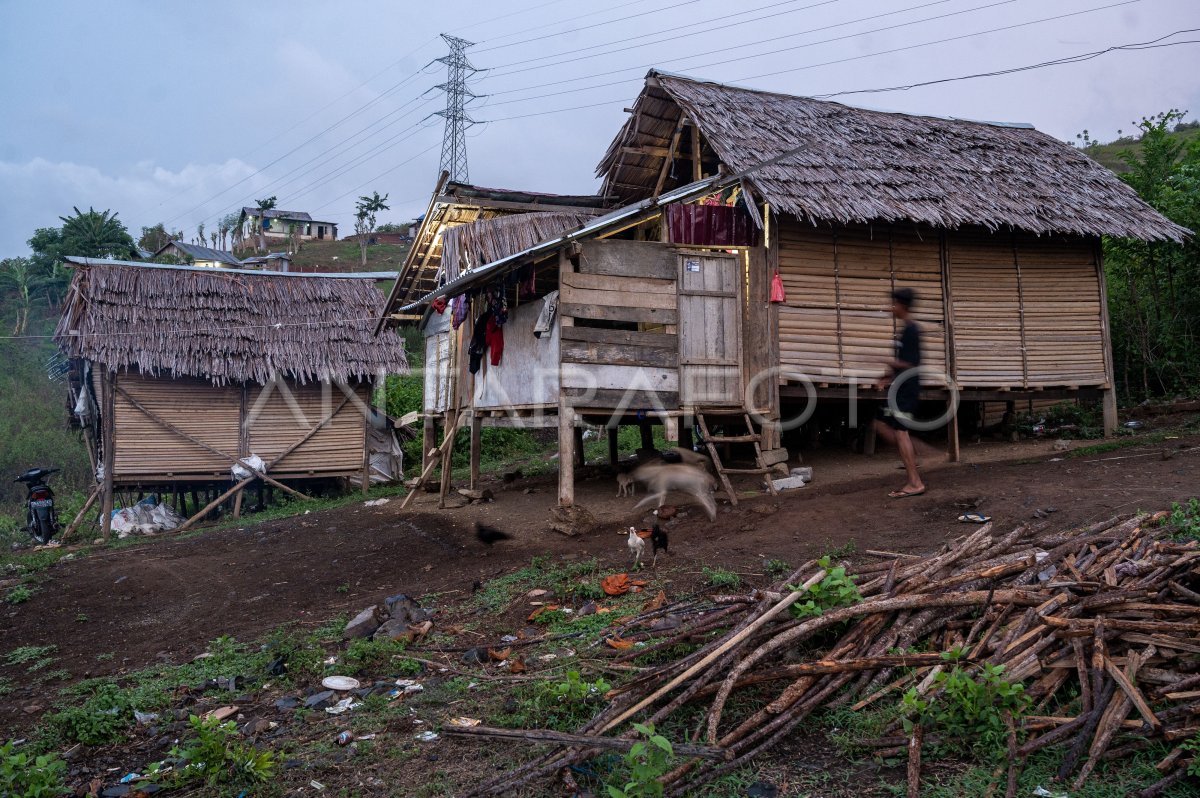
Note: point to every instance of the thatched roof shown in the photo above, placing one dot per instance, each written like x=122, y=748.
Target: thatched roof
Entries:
x=863, y=166
x=470, y=246
x=456, y=204
x=228, y=326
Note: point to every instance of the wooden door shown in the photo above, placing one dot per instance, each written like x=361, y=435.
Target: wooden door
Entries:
x=710, y=340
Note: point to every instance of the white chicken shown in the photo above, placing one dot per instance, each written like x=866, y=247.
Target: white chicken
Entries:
x=636, y=546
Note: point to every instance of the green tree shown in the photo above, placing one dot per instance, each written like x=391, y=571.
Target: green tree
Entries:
x=264, y=205
x=1154, y=287
x=364, y=219
x=155, y=238
x=227, y=227
x=22, y=281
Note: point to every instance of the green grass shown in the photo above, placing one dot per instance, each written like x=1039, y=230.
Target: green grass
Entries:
x=20, y=594
x=1119, y=443
x=23, y=655
x=541, y=573
x=720, y=577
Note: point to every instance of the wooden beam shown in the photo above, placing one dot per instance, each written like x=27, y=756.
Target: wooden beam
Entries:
x=1110, y=393
x=447, y=460
x=476, y=448
x=647, y=150
x=87, y=505
x=199, y=514
x=697, y=166
x=505, y=205
x=108, y=436
x=666, y=167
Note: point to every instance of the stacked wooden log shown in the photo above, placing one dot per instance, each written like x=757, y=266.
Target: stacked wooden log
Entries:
x=1109, y=613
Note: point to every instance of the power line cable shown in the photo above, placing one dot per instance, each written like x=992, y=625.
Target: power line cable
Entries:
x=590, y=27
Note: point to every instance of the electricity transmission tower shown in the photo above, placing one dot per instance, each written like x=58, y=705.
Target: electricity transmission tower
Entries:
x=454, y=140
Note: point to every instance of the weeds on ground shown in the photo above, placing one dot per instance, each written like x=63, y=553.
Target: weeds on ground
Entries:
x=1193, y=745
x=1114, y=445
x=214, y=755
x=23, y=655
x=646, y=762
x=776, y=567
x=541, y=572
x=841, y=552
x=562, y=705
x=1186, y=519
x=368, y=656
x=20, y=594
x=969, y=711
x=835, y=590
x=721, y=578
x=25, y=776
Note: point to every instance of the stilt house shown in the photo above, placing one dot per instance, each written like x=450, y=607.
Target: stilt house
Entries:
x=666, y=307
x=179, y=372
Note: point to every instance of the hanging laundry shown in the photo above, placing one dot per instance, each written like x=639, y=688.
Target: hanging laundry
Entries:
x=439, y=305
x=478, y=341
x=528, y=282
x=458, y=310
x=498, y=303
x=545, y=319
x=495, y=340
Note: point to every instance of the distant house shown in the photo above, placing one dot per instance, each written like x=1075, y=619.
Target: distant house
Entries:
x=273, y=261
x=276, y=224
x=198, y=255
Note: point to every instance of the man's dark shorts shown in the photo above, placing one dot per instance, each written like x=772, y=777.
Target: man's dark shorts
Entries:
x=901, y=417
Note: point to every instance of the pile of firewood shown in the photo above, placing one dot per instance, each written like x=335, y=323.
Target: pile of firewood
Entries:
x=1109, y=613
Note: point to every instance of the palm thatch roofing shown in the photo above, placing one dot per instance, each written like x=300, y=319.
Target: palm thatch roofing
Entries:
x=228, y=326
x=858, y=165
x=470, y=246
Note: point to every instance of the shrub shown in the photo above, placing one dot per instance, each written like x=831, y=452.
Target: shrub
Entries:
x=719, y=577
x=835, y=590
x=645, y=763
x=214, y=756
x=23, y=776
x=969, y=712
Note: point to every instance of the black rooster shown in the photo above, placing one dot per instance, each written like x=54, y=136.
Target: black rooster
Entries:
x=489, y=534
x=658, y=540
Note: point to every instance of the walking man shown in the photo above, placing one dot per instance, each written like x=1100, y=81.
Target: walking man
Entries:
x=897, y=416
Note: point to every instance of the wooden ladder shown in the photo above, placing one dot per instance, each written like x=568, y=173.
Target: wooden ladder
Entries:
x=750, y=437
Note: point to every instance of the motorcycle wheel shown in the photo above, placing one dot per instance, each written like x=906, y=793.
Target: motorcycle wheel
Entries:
x=42, y=527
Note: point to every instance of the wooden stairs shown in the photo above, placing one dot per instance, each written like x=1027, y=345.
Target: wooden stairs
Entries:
x=750, y=437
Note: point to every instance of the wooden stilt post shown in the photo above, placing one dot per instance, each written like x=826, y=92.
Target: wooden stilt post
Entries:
x=476, y=448
x=579, y=457
x=869, y=436
x=366, y=463
x=447, y=459
x=614, y=454
x=647, y=434
x=1110, y=410
x=566, y=455
x=206, y=509
x=953, y=451
x=428, y=440
x=237, y=504
x=108, y=435
x=686, y=439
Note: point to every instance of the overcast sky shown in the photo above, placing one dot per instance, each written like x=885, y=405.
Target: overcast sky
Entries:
x=181, y=112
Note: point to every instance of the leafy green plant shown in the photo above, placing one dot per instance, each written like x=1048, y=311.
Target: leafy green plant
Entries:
x=1186, y=518
x=6, y=685
x=100, y=719
x=645, y=763
x=214, y=756
x=23, y=776
x=19, y=594
x=365, y=655
x=574, y=689
x=24, y=654
x=719, y=577
x=969, y=711
x=835, y=590
x=776, y=567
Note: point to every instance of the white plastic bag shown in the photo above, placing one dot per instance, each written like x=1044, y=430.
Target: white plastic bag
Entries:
x=240, y=471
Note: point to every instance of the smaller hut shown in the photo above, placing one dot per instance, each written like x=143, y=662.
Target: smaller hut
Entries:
x=181, y=376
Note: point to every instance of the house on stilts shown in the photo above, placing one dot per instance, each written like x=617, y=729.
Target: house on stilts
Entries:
x=745, y=277
x=177, y=373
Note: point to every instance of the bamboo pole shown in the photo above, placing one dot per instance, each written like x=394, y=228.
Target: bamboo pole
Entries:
x=435, y=457
x=87, y=505
x=208, y=507
x=108, y=436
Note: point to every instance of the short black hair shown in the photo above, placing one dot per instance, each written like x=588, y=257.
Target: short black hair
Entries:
x=905, y=296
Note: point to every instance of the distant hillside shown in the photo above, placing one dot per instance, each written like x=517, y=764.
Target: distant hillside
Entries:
x=343, y=256
x=1108, y=154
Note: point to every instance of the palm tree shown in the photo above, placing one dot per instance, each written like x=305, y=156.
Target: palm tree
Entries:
x=20, y=276
x=96, y=234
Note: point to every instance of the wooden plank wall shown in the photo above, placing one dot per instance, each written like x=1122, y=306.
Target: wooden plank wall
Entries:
x=710, y=332
x=144, y=448
x=273, y=425
x=620, y=281
x=836, y=324
x=1026, y=311
x=437, y=363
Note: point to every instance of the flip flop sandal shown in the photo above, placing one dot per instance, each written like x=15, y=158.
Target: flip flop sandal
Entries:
x=974, y=518
x=904, y=494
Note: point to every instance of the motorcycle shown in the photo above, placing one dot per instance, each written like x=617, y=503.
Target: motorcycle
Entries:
x=42, y=520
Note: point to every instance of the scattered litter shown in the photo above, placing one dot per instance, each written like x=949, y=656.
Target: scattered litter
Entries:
x=363, y=737
x=426, y=736
x=345, y=705
x=128, y=777
x=328, y=660
x=615, y=584
x=409, y=686
x=241, y=469
x=974, y=518
x=1042, y=792
x=464, y=722
x=1055, y=460
x=376, y=502
x=1135, y=424
x=804, y=472
x=788, y=483
x=548, y=657
x=340, y=683
x=316, y=785
x=344, y=738
x=145, y=718
x=221, y=713
x=509, y=639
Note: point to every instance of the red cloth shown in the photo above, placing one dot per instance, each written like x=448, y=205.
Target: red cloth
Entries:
x=439, y=305
x=495, y=341
x=777, y=293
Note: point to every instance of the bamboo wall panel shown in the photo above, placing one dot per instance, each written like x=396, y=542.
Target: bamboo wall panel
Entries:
x=437, y=363
x=836, y=325
x=1026, y=311
x=144, y=448
x=289, y=411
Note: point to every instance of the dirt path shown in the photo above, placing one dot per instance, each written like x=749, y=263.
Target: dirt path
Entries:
x=167, y=598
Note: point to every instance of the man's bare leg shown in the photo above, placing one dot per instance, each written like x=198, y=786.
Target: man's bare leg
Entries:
x=909, y=456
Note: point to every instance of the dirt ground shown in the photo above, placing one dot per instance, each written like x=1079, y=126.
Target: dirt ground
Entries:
x=165, y=599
